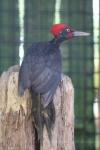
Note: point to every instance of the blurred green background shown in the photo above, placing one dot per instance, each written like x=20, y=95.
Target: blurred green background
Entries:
x=25, y=21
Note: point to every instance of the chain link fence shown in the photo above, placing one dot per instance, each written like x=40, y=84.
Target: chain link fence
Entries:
x=23, y=22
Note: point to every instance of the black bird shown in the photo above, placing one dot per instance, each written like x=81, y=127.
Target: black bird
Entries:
x=41, y=67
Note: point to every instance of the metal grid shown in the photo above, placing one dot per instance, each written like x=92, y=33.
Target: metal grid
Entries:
x=78, y=54
x=9, y=34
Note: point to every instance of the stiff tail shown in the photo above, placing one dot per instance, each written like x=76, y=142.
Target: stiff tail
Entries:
x=42, y=116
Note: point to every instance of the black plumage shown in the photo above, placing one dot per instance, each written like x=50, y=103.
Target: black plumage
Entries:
x=41, y=70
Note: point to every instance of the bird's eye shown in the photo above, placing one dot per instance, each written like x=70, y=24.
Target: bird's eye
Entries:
x=68, y=30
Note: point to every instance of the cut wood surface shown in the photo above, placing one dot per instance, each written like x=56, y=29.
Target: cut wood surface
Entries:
x=16, y=128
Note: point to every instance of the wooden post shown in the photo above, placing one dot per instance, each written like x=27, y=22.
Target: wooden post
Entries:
x=16, y=129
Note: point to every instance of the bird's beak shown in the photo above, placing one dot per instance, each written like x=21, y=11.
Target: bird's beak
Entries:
x=78, y=33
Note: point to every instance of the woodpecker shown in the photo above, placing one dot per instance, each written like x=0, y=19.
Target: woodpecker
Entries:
x=41, y=66
x=40, y=71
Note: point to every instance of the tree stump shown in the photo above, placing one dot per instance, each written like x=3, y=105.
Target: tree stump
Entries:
x=16, y=128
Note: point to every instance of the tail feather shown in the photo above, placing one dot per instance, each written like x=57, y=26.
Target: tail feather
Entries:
x=49, y=118
x=42, y=116
x=20, y=90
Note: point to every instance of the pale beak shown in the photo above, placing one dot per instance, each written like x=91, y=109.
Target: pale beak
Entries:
x=78, y=33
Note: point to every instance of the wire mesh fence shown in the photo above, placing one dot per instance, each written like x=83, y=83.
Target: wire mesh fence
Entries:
x=81, y=58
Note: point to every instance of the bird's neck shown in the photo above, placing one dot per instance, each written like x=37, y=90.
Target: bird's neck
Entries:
x=57, y=40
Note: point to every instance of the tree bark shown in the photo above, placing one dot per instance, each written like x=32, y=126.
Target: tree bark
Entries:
x=17, y=131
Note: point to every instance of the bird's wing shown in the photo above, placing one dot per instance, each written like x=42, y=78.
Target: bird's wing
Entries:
x=31, y=67
x=48, y=96
x=45, y=80
x=42, y=77
x=46, y=83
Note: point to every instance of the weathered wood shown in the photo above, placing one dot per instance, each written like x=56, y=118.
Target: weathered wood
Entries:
x=16, y=131
x=16, y=128
x=63, y=132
